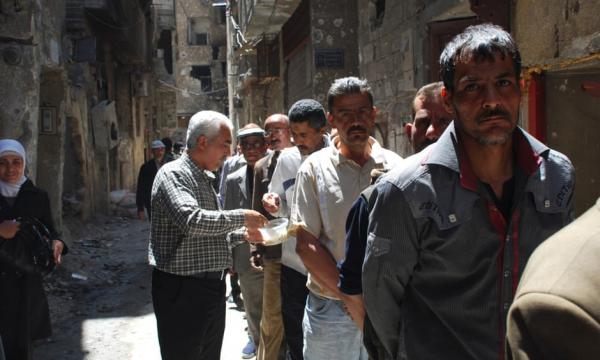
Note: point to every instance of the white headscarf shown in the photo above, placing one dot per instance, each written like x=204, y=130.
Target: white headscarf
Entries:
x=12, y=147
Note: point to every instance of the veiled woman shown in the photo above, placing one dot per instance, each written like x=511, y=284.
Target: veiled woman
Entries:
x=24, y=314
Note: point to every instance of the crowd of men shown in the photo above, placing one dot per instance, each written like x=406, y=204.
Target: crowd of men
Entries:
x=386, y=258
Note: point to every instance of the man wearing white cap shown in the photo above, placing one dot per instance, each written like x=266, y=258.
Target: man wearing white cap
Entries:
x=146, y=177
x=238, y=195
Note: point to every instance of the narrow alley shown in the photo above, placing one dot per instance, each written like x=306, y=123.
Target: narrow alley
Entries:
x=379, y=175
x=100, y=299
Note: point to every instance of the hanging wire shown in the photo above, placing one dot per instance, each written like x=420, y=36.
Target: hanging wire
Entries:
x=238, y=33
x=188, y=91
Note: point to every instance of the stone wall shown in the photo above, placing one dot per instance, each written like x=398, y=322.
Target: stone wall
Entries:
x=260, y=101
x=559, y=41
x=191, y=97
x=394, y=56
x=333, y=27
x=31, y=76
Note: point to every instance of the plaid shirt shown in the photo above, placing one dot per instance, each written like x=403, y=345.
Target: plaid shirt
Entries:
x=189, y=230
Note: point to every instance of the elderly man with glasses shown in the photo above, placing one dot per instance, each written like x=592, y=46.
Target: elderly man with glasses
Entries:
x=238, y=190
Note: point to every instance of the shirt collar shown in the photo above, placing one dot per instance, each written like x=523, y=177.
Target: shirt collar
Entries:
x=196, y=170
x=377, y=154
x=447, y=152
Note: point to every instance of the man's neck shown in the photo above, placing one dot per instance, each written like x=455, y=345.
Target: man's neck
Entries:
x=196, y=159
x=492, y=164
x=359, y=155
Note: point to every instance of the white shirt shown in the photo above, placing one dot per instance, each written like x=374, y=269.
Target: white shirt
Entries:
x=283, y=183
x=327, y=184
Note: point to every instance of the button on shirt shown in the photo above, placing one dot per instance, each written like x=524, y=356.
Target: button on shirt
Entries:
x=327, y=185
x=189, y=231
x=442, y=263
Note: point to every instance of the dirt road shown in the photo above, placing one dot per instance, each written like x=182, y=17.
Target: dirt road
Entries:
x=100, y=297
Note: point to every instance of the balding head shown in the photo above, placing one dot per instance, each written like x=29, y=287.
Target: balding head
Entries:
x=277, y=132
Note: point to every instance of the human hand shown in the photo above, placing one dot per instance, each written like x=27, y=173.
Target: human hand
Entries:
x=57, y=249
x=140, y=214
x=355, y=307
x=256, y=261
x=271, y=202
x=253, y=220
x=9, y=228
x=253, y=236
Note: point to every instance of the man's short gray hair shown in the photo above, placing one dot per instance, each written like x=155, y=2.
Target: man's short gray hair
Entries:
x=346, y=86
x=205, y=123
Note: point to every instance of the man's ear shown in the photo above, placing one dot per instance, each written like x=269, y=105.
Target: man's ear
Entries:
x=408, y=129
x=446, y=96
x=522, y=84
x=202, y=142
x=330, y=119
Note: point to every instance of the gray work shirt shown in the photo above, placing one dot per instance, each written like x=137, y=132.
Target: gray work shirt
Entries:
x=442, y=264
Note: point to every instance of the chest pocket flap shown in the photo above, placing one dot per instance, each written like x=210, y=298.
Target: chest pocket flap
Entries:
x=446, y=203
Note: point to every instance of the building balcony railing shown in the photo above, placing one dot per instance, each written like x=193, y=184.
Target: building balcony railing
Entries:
x=265, y=16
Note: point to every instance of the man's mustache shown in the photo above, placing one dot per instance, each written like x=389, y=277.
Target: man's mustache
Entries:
x=493, y=113
x=357, y=128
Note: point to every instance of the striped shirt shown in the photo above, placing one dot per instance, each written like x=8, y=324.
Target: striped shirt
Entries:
x=189, y=231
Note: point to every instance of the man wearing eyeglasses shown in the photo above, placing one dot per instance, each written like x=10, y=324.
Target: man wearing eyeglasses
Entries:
x=239, y=186
x=277, y=134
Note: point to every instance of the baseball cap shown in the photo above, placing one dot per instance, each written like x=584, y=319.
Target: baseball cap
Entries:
x=157, y=144
x=250, y=131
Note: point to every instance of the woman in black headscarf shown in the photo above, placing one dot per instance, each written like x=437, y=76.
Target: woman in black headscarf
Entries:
x=24, y=314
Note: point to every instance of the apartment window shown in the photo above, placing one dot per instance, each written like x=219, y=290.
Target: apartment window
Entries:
x=198, y=32
x=377, y=11
x=202, y=73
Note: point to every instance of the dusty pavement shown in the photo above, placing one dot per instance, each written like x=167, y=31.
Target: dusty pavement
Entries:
x=100, y=297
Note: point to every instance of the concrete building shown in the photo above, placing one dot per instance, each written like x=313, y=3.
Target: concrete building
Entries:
x=288, y=50
x=200, y=60
x=77, y=88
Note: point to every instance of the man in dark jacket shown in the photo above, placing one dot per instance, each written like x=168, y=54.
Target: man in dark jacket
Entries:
x=146, y=178
x=452, y=228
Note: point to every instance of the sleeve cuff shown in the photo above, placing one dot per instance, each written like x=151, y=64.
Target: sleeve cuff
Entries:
x=293, y=230
x=236, y=237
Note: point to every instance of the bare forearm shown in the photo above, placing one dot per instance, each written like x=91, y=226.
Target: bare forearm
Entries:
x=318, y=261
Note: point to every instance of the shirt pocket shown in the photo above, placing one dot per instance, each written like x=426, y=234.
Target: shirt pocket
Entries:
x=378, y=245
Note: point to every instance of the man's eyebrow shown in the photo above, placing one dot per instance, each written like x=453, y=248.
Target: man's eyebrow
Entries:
x=505, y=74
x=468, y=78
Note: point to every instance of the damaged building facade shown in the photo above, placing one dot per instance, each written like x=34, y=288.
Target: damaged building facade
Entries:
x=79, y=88
x=283, y=50
x=200, y=60
x=287, y=50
